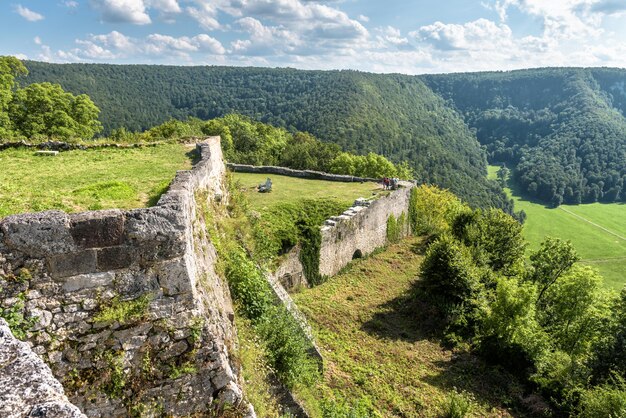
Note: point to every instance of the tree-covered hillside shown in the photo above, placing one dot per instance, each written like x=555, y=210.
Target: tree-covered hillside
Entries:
x=394, y=115
x=563, y=130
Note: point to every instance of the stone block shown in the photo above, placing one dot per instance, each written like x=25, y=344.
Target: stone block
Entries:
x=114, y=258
x=135, y=282
x=98, y=229
x=27, y=385
x=173, y=277
x=38, y=234
x=72, y=264
x=87, y=281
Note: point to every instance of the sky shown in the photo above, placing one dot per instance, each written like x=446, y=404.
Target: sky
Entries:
x=383, y=36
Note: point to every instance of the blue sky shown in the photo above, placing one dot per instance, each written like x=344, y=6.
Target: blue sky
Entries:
x=411, y=36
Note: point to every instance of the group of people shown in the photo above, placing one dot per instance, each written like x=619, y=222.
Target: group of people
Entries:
x=390, y=183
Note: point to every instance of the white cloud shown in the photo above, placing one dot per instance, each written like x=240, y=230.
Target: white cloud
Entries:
x=481, y=34
x=264, y=40
x=208, y=43
x=28, y=14
x=115, y=40
x=165, y=6
x=392, y=36
x=123, y=11
x=563, y=19
x=37, y=40
x=363, y=18
x=115, y=45
x=314, y=25
x=70, y=4
x=205, y=14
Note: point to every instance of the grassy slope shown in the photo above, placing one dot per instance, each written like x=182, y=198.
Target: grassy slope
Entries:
x=290, y=189
x=375, y=347
x=74, y=181
x=596, y=246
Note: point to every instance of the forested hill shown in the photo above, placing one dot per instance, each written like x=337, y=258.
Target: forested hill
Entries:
x=563, y=130
x=394, y=115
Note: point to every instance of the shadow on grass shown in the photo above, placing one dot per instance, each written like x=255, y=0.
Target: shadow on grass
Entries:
x=407, y=318
x=486, y=384
x=411, y=318
x=194, y=156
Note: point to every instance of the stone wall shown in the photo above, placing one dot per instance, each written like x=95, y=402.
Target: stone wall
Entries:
x=360, y=229
x=125, y=306
x=308, y=174
x=27, y=386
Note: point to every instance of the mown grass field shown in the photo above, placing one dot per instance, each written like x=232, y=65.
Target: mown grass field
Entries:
x=290, y=189
x=597, y=231
x=75, y=181
x=381, y=349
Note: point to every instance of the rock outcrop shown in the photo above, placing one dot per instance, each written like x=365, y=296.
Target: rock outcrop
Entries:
x=27, y=386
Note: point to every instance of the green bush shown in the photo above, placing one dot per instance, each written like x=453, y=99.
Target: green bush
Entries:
x=608, y=400
x=247, y=283
x=124, y=311
x=286, y=225
x=392, y=229
x=457, y=405
x=287, y=348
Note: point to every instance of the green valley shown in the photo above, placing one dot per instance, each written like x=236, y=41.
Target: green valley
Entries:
x=597, y=231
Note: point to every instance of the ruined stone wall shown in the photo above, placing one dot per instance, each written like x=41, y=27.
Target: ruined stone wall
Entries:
x=125, y=306
x=360, y=229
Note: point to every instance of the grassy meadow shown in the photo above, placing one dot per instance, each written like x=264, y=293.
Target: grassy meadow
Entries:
x=78, y=180
x=291, y=189
x=597, y=231
x=382, y=352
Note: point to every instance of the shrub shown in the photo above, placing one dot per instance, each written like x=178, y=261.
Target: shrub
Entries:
x=288, y=348
x=457, y=405
x=608, y=400
x=433, y=210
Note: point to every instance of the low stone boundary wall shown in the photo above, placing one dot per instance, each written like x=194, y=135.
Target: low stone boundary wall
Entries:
x=126, y=307
x=307, y=174
x=68, y=146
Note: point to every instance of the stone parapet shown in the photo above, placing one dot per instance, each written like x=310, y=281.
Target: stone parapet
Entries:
x=125, y=306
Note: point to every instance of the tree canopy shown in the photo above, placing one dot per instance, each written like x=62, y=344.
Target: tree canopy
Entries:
x=42, y=110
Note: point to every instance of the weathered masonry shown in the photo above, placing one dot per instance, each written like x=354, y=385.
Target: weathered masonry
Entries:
x=360, y=229
x=125, y=306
